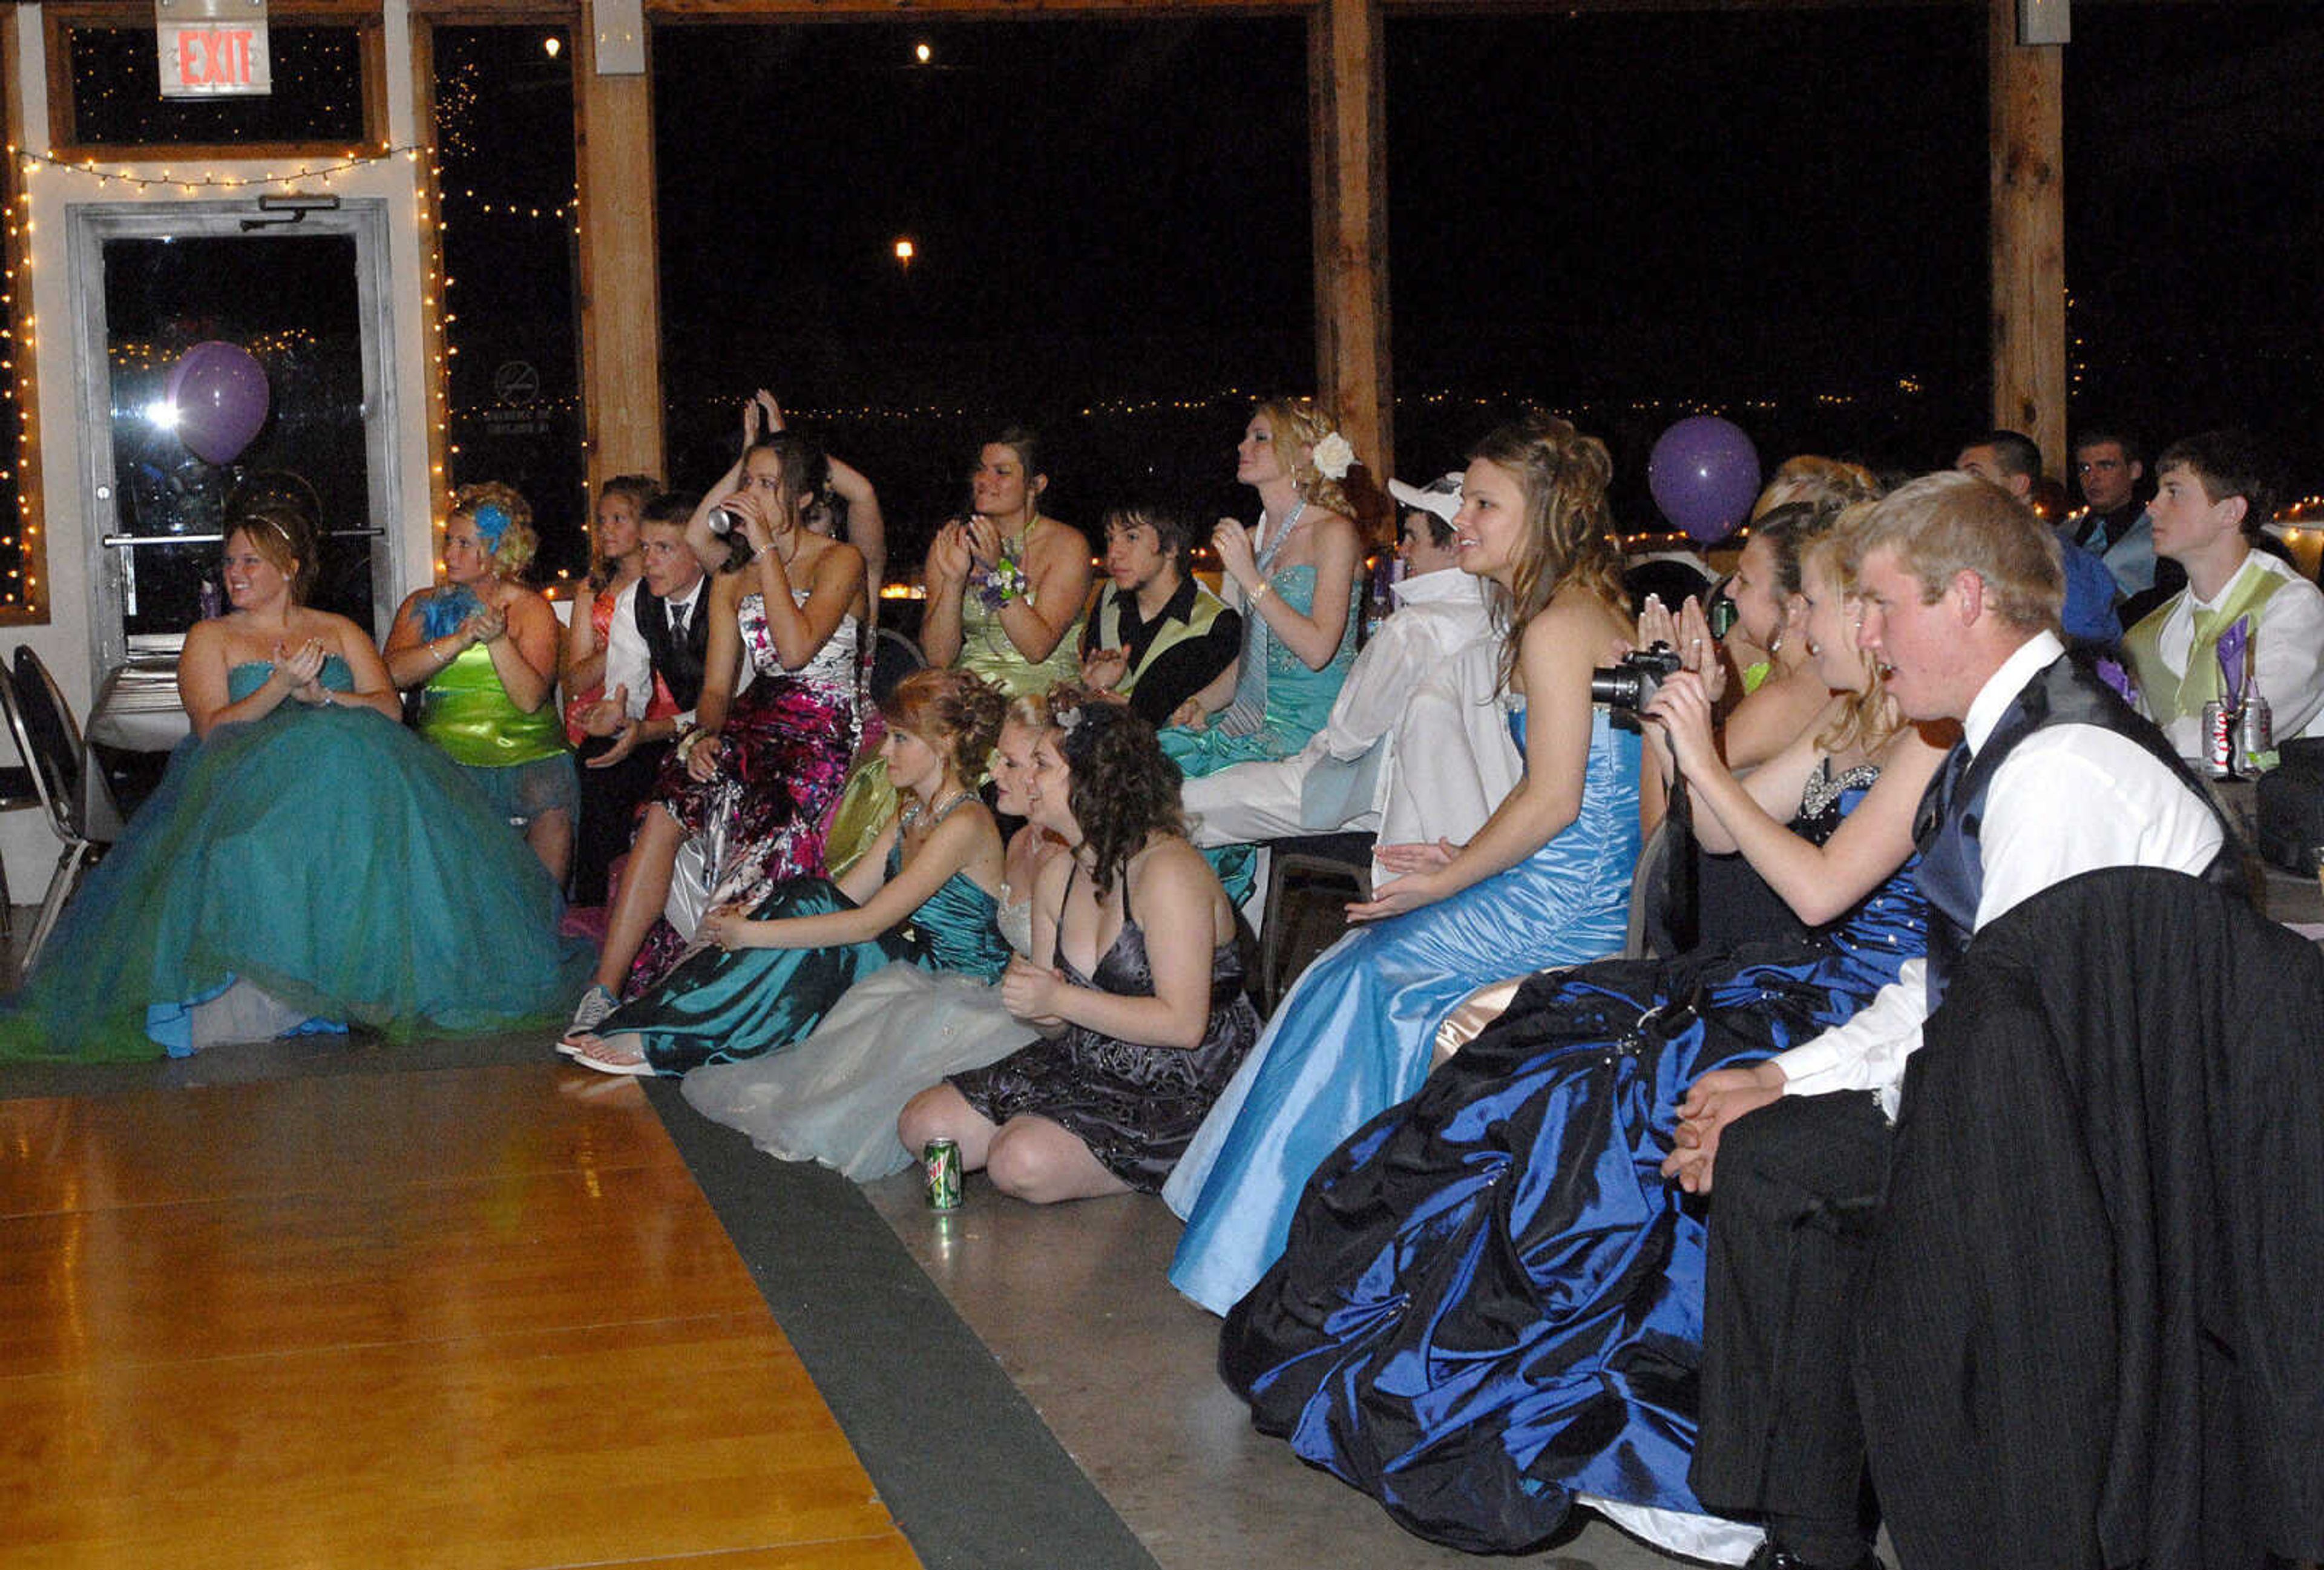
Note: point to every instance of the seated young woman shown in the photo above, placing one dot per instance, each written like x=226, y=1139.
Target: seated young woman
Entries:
x=1294, y=577
x=930, y=893
x=307, y=864
x=761, y=768
x=483, y=652
x=1488, y=1308
x=1137, y=982
x=834, y=1097
x=1546, y=881
x=1736, y=905
x=610, y=798
x=1006, y=587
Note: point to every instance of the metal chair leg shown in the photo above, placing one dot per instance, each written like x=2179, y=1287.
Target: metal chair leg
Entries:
x=61, y=883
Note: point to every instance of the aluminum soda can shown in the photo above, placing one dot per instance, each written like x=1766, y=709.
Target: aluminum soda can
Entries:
x=940, y=1160
x=2218, y=739
x=2254, y=731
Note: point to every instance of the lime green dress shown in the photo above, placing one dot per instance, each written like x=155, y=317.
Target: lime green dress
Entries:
x=520, y=761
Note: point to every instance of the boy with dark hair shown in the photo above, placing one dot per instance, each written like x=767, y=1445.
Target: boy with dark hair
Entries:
x=2212, y=497
x=1154, y=634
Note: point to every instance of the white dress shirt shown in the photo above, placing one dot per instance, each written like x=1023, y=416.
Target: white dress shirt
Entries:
x=2288, y=638
x=1437, y=614
x=1356, y=769
x=627, y=662
x=2069, y=799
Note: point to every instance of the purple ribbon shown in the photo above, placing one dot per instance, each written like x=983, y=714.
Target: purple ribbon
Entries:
x=2231, y=645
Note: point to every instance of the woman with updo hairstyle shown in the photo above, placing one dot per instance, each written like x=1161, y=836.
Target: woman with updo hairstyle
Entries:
x=834, y=1097
x=758, y=764
x=1007, y=582
x=1544, y=883
x=307, y=864
x=1293, y=577
x=1825, y=484
x=1135, y=982
x=482, y=651
x=762, y=978
x=1007, y=585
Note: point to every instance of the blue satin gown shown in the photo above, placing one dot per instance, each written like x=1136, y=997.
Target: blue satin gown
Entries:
x=325, y=855
x=1491, y=1300
x=1357, y=1030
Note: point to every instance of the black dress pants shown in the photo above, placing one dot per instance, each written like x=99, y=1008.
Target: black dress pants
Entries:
x=610, y=799
x=1795, y=1194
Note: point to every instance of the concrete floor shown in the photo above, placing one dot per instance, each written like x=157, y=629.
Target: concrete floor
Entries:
x=1072, y=1300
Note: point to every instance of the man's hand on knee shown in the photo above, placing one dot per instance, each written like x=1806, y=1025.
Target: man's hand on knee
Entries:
x=1713, y=1101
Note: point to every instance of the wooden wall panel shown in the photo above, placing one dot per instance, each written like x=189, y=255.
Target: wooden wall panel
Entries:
x=621, y=272
x=2028, y=199
x=1349, y=172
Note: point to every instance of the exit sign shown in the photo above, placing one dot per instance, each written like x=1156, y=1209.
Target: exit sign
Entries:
x=212, y=47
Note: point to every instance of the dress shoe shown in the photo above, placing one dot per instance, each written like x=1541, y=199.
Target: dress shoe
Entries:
x=1770, y=1558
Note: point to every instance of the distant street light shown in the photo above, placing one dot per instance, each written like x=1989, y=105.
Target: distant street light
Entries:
x=923, y=53
x=904, y=254
x=553, y=44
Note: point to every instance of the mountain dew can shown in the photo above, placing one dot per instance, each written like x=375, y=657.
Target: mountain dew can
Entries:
x=940, y=1160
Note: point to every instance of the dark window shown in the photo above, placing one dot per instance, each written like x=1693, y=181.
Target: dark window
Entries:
x=319, y=96
x=504, y=136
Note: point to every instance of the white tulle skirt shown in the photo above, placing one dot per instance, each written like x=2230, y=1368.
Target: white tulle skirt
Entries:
x=834, y=1097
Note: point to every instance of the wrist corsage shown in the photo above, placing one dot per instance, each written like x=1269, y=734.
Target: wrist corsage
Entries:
x=1003, y=581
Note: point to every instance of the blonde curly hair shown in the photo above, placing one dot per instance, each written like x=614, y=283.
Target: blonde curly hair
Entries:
x=513, y=551
x=1299, y=424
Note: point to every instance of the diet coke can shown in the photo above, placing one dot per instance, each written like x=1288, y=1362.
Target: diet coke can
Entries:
x=2218, y=740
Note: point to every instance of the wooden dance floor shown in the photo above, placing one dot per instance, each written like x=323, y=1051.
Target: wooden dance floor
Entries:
x=473, y=1318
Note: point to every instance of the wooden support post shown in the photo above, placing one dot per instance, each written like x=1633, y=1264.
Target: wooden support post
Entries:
x=1347, y=169
x=2028, y=201
x=621, y=278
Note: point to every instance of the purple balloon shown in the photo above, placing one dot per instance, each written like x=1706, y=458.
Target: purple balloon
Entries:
x=1704, y=473
x=220, y=394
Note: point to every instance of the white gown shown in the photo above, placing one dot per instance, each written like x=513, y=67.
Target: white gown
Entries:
x=834, y=1097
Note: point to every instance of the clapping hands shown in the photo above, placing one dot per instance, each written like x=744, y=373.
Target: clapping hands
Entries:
x=949, y=558
x=302, y=671
x=485, y=623
x=983, y=537
x=1689, y=634
x=1102, y=669
x=1232, y=540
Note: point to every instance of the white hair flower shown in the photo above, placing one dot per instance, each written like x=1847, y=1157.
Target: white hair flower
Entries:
x=1333, y=458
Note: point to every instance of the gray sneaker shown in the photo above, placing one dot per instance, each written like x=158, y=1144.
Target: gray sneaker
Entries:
x=596, y=1004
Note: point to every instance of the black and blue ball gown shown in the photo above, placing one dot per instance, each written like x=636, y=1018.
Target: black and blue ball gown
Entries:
x=1357, y=1032
x=325, y=856
x=1490, y=1306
